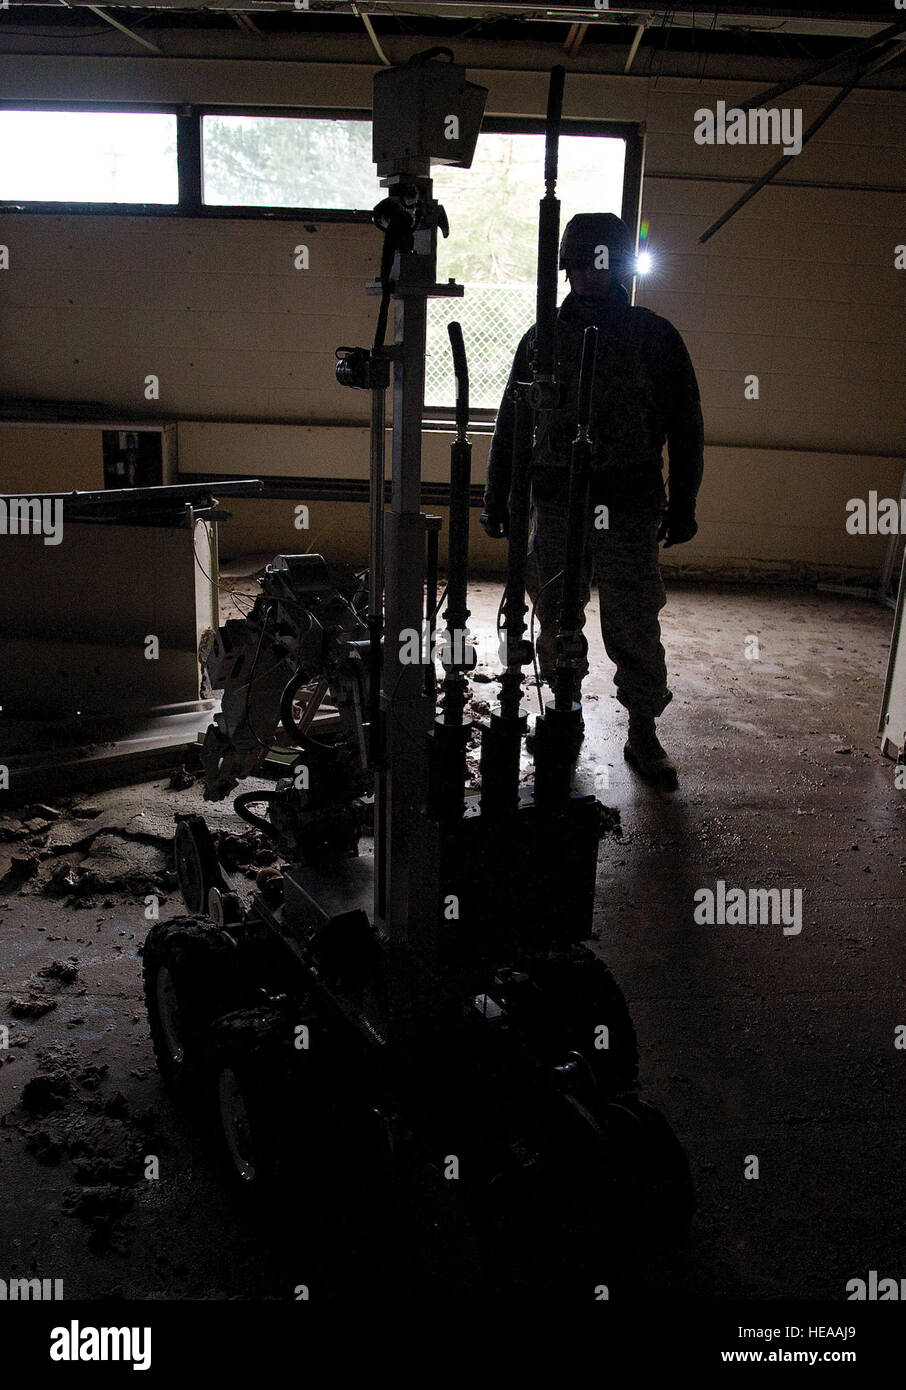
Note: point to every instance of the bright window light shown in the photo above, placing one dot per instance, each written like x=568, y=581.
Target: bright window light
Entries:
x=493, y=247
x=88, y=157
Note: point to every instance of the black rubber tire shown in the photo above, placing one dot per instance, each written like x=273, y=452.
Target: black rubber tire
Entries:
x=651, y=1170
x=284, y=1103
x=609, y=1220
x=197, y=865
x=191, y=975
x=578, y=994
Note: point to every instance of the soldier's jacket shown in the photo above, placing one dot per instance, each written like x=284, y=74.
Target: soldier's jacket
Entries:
x=645, y=395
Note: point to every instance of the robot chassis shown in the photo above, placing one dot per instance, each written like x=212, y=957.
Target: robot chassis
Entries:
x=424, y=1012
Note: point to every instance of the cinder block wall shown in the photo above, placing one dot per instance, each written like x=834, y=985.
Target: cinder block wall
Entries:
x=799, y=289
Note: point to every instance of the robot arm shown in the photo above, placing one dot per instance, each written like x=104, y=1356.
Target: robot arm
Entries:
x=304, y=630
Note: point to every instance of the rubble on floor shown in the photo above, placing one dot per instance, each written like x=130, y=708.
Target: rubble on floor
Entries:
x=67, y=1115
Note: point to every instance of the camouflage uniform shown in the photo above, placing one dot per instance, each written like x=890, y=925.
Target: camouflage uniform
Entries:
x=645, y=394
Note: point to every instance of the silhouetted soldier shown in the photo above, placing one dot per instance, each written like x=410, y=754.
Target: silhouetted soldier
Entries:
x=645, y=395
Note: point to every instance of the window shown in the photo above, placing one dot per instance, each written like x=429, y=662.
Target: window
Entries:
x=493, y=246
x=288, y=162
x=218, y=163
x=88, y=157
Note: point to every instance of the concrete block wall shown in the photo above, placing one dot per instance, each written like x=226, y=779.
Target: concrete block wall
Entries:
x=800, y=289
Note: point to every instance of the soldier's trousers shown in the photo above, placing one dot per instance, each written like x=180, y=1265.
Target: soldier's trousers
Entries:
x=623, y=560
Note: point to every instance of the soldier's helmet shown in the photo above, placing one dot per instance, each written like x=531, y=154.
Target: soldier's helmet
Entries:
x=587, y=232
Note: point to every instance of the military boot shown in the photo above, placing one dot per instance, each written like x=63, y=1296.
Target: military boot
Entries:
x=643, y=751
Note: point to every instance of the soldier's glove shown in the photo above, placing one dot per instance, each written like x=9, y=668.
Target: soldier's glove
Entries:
x=496, y=522
x=678, y=526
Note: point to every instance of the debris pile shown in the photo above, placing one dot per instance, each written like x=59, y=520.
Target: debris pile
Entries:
x=66, y=1116
x=182, y=778
x=24, y=866
x=247, y=852
x=30, y=820
x=39, y=995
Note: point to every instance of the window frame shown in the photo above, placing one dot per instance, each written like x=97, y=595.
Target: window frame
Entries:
x=61, y=208
x=361, y=215
x=189, y=157
x=188, y=163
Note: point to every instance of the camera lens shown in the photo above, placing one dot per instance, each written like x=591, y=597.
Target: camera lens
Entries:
x=353, y=369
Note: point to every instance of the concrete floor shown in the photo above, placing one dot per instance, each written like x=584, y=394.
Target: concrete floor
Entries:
x=752, y=1042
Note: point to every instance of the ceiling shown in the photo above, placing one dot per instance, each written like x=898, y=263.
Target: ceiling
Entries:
x=641, y=37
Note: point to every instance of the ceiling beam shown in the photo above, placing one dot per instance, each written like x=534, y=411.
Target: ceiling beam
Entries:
x=130, y=33
x=896, y=32
x=575, y=38
x=817, y=123
x=359, y=12
x=634, y=48
x=245, y=22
